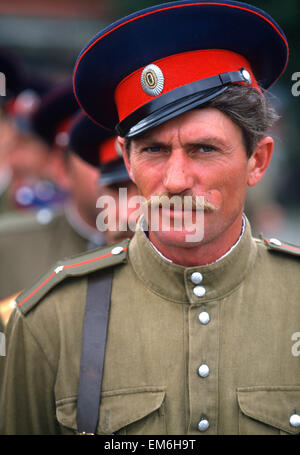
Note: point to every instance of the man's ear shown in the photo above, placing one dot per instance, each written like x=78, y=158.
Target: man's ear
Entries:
x=260, y=160
x=121, y=143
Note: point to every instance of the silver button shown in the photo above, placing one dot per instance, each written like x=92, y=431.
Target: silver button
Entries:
x=199, y=291
x=117, y=250
x=203, y=371
x=44, y=216
x=275, y=242
x=246, y=75
x=196, y=277
x=203, y=425
x=204, y=317
x=295, y=420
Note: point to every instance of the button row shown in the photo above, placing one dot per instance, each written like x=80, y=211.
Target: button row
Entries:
x=197, y=278
x=204, y=319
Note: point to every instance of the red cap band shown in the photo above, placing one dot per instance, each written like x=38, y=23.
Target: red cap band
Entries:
x=178, y=70
x=108, y=151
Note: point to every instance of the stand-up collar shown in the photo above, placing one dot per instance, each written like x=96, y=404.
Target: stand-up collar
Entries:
x=195, y=285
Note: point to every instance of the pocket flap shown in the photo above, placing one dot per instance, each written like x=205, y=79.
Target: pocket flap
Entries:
x=271, y=405
x=118, y=408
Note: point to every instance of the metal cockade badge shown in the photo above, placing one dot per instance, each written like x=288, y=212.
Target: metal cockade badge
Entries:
x=152, y=80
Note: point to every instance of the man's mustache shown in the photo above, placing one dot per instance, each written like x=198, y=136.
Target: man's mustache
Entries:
x=180, y=202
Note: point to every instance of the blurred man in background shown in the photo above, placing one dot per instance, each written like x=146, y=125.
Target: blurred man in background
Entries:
x=23, y=158
x=90, y=166
x=29, y=244
x=100, y=149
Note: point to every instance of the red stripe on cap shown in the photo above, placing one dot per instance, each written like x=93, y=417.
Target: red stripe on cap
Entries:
x=66, y=267
x=168, y=8
x=178, y=70
x=107, y=151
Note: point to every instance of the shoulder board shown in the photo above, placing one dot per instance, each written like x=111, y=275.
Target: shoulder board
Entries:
x=85, y=263
x=281, y=246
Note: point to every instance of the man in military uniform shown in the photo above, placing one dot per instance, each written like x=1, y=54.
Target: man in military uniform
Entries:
x=199, y=339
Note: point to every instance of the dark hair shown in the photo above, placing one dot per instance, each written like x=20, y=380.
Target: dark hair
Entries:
x=247, y=108
x=250, y=110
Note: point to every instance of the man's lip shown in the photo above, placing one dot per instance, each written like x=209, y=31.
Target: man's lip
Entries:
x=178, y=213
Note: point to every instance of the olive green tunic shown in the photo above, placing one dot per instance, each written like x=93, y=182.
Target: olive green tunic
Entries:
x=156, y=344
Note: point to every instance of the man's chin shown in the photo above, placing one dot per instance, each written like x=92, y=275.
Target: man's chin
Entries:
x=178, y=239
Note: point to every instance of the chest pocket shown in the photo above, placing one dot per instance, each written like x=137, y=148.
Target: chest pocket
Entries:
x=128, y=411
x=268, y=410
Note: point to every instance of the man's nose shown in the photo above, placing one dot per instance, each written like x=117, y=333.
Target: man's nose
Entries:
x=178, y=173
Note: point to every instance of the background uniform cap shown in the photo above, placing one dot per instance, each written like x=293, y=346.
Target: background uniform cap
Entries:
x=98, y=147
x=51, y=120
x=23, y=88
x=18, y=77
x=190, y=44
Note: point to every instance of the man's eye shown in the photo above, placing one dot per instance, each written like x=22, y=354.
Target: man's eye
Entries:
x=206, y=148
x=153, y=149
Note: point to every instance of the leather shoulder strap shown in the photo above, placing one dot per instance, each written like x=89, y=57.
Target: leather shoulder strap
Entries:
x=93, y=350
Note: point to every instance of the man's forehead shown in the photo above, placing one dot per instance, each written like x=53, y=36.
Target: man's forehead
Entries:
x=199, y=125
